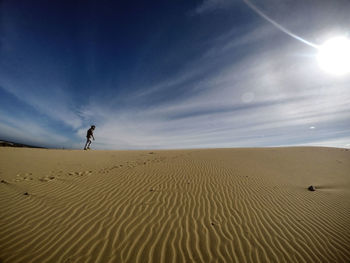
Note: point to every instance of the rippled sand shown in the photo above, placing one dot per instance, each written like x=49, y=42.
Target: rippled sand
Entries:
x=217, y=205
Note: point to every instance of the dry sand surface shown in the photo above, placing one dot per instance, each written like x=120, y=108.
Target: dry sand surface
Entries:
x=217, y=205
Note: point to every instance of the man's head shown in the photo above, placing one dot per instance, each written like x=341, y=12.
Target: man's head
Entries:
x=93, y=127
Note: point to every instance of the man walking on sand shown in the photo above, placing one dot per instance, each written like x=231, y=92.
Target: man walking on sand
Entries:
x=89, y=135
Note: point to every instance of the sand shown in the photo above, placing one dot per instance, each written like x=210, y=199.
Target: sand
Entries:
x=215, y=205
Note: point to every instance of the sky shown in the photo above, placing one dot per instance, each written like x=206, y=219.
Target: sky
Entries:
x=172, y=74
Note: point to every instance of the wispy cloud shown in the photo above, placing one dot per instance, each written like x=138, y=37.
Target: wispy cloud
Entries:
x=249, y=86
x=212, y=5
x=51, y=101
x=27, y=131
x=287, y=99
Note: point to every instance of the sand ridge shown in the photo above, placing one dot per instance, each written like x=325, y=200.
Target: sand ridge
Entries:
x=214, y=205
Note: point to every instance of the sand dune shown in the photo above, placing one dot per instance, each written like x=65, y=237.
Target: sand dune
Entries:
x=217, y=205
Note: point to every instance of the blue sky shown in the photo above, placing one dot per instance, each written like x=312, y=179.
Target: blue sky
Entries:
x=171, y=74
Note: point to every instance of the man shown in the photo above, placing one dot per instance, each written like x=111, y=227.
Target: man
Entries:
x=89, y=135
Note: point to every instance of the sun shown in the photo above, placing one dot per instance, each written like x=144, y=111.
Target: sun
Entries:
x=334, y=56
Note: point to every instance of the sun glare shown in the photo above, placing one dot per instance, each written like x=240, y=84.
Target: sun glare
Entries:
x=334, y=56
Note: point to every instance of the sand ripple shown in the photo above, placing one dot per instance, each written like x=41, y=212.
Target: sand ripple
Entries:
x=229, y=205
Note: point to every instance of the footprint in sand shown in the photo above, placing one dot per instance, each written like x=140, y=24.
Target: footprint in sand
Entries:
x=104, y=171
x=23, y=177
x=4, y=182
x=52, y=176
x=47, y=178
x=117, y=166
x=83, y=173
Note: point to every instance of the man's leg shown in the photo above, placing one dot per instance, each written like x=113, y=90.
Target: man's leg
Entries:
x=86, y=144
x=89, y=143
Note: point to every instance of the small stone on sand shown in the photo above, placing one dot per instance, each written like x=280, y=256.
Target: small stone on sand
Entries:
x=311, y=188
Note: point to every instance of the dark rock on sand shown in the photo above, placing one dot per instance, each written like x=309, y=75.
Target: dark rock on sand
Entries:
x=311, y=188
